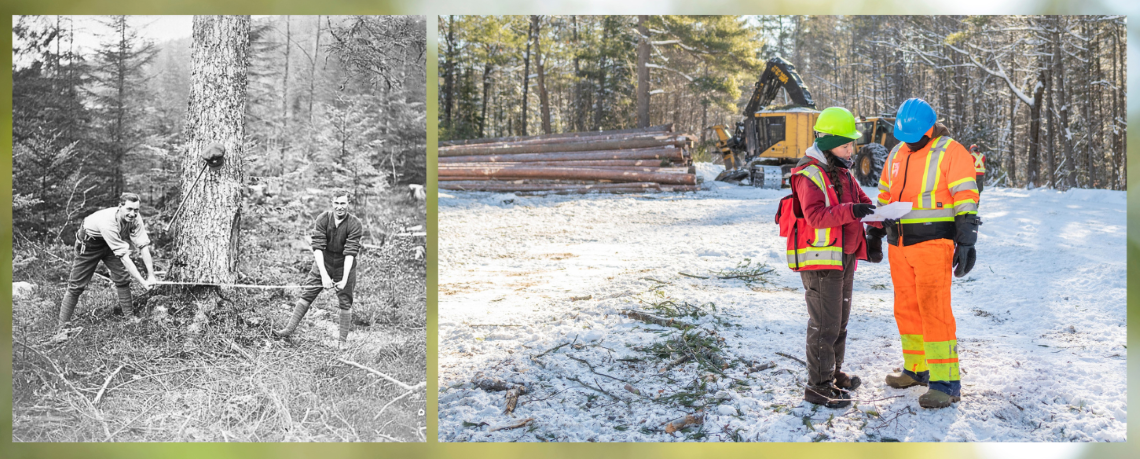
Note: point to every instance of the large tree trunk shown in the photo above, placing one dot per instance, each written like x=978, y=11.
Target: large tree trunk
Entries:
x=526, y=75
x=1032, y=166
x=449, y=72
x=487, y=69
x=543, y=98
x=284, y=139
x=642, y=71
x=206, y=239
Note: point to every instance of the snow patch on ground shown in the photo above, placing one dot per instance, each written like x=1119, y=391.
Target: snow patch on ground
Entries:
x=532, y=290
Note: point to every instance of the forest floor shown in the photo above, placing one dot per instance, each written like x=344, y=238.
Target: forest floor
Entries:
x=170, y=377
x=537, y=292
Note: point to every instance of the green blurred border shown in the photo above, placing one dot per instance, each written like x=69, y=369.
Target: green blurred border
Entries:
x=480, y=451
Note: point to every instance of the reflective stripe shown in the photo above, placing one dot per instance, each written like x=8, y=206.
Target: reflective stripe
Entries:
x=914, y=353
x=942, y=358
x=890, y=164
x=968, y=183
x=932, y=175
x=814, y=173
x=965, y=207
x=815, y=256
x=822, y=237
x=928, y=215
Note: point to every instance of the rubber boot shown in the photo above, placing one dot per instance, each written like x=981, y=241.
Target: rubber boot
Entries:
x=902, y=380
x=345, y=324
x=936, y=399
x=299, y=310
x=67, y=308
x=125, y=300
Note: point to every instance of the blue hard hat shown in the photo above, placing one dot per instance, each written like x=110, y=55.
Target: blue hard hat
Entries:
x=913, y=119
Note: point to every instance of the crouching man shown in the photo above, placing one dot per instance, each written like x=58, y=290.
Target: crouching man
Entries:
x=336, y=243
x=108, y=236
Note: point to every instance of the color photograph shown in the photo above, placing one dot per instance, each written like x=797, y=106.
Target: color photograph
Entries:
x=219, y=229
x=782, y=228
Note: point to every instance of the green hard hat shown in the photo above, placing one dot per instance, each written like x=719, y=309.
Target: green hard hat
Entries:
x=837, y=121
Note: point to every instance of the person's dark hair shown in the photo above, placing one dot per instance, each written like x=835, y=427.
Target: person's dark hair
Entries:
x=834, y=165
x=337, y=194
x=123, y=198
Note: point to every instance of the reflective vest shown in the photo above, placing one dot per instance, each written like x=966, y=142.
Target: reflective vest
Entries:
x=938, y=181
x=979, y=162
x=810, y=248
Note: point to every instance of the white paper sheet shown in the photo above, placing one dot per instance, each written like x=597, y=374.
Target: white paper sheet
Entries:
x=892, y=210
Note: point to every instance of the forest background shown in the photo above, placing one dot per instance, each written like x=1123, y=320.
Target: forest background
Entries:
x=1043, y=96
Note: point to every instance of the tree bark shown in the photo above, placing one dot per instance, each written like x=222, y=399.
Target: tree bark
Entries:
x=206, y=239
x=449, y=72
x=642, y=71
x=543, y=99
x=526, y=76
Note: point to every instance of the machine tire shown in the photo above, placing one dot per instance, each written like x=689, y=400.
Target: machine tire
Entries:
x=869, y=164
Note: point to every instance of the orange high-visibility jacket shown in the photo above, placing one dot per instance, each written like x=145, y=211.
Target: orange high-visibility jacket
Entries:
x=938, y=180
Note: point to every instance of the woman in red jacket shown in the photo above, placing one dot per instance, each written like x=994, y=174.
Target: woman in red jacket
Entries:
x=832, y=203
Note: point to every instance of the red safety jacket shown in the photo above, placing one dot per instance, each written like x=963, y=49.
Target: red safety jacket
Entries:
x=809, y=247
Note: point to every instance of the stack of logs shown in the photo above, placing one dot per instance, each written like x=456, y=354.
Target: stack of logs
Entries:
x=629, y=160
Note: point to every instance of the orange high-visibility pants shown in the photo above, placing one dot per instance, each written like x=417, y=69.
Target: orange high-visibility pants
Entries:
x=921, y=275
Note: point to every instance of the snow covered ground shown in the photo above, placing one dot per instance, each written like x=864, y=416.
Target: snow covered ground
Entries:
x=1041, y=322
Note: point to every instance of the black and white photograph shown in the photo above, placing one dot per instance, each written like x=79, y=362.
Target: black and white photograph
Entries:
x=219, y=229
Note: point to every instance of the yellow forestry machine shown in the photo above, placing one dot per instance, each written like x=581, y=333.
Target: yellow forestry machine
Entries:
x=767, y=143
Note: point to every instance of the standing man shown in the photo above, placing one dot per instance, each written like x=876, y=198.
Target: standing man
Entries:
x=936, y=175
x=108, y=236
x=979, y=166
x=336, y=243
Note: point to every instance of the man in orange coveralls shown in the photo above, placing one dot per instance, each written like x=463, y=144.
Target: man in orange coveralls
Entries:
x=936, y=175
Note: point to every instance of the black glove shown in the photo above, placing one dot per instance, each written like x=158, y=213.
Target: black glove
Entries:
x=964, y=257
x=874, y=248
x=862, y=210
x=964, y=253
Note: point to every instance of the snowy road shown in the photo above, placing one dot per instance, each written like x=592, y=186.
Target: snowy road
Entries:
x=1041, y=322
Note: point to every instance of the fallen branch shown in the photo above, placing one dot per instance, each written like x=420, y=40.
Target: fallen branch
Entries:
x=596, y=389
x=513, y=398
x=555, y=348
x=512, y=426
x=691, y=275
x=493, y=385
x=378, y=413
x=103, y=389
x=781, y=354
x=652, y=319
x=688, y=420
x=421, y=385
x=671, y=365
x=591, y=367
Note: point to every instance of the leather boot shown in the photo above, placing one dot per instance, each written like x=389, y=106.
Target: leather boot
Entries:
x=847, y=382
x=827, y=395
x=299, y=310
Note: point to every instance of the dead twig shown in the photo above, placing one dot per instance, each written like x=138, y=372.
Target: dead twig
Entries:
x=671, y=365
x=103, y=389
x=591, y=367
x=652, y=319
x=596, y=389
x=421, y=385
x=781, y=354
x=555, y=348
x=386, y=405
x=513, y=398
x=511, y=426
x=691, y=275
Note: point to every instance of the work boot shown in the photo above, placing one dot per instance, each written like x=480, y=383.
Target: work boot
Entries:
x=902, y=380
x=936, y=399
x=299, y=310
x=847, y=382
x=827, y=395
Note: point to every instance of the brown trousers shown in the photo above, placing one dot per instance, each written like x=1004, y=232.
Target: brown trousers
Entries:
x=828, y=295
